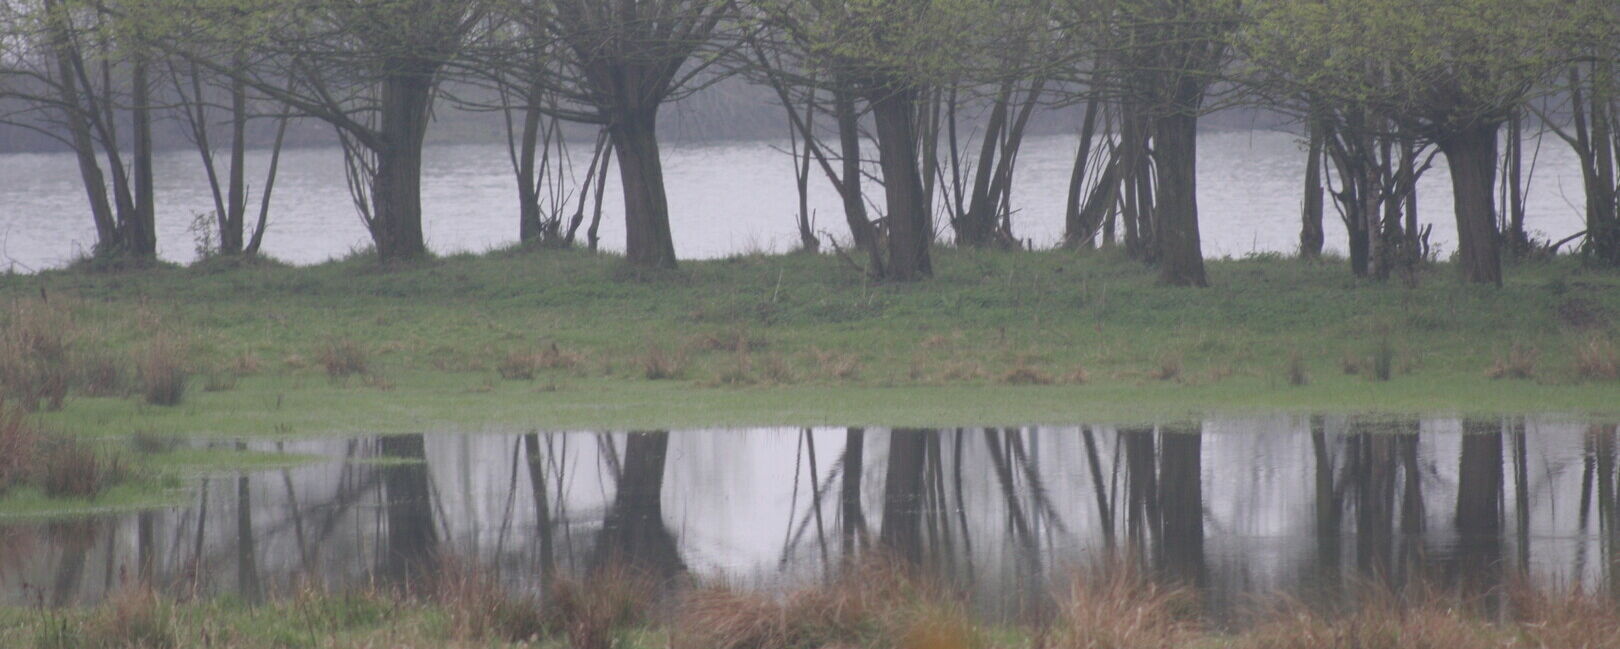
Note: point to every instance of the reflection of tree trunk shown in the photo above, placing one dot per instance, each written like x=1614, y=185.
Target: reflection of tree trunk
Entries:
x=75, y=539
x=903, y=493
x=1521, y=497
x=1329, y=512
x=634, y=532
x=1181, y=545
x=247, y=568
x=1479, y=503
x=542, y=505
x=1374, y=476
x=1141, y=487
x=1104, y=512
x=412, y=543
x=849, y=496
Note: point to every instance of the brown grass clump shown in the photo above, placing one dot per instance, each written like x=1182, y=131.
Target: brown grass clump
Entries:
x=594, y=611
x=343, y=358
x=1116, y=607
x=519, y=366
x=1520, y=363
x=658, y=365
x=1378, y=622
x=100, y=375
x=739, y=372
x=132, y=618
x=35, y=341
x=731, y=340
x=1297, y=374
x=1350, y=363
x=963, y=371
x=1025, y=374
x=1597, y=359
x=163, y=373
x=1169, y=369
x=478, y=609
x=19, y=446
x=1565, y=618
x=833, y=365
x=775, y=369
x=872, y=605
x=1077, y=376
x=246, y=364
x=69, y=468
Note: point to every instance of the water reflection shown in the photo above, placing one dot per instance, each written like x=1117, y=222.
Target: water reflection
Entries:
x=1303, y=505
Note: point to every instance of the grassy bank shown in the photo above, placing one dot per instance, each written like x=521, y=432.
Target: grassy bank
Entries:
x=557, y=339
x=864, y=608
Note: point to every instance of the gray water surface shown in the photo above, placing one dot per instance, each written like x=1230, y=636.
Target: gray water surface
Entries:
x=1240, y=508
x=725, y=199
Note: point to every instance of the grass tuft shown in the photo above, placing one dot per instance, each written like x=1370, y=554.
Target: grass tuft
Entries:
x=595, y=611
x=1115, y=606
x=1520, y=363
x=1297, y=373
x=1597, y=359
x=163, y=373
x=658, y=365
x=1169, y=369
x=343, y=358
x=1026, y=374
x=69, y=468
x=19, y=447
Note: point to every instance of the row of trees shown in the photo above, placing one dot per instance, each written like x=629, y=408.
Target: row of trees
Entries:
x=943, y=90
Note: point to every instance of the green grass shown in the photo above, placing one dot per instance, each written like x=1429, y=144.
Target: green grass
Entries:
x=823, y=345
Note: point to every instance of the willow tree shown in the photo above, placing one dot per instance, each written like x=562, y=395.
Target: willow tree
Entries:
x=81, y=72
x=1590, y=120
x=887, y=52
x=616, y=63
x=1166, y=55
x=1451, y=73
x=369, y=68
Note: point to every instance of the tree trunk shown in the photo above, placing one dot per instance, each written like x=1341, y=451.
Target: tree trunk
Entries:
x=232, y=236
x=1181, y=260
x=396, y=191
x=976, y=226
x=895, y=111
x=648, y=243
x=141, y=233
x=529, y=226
x=1076, y=233
x=1471, y=153
x=1311, y=235
x=84, y=148
x=849, y=143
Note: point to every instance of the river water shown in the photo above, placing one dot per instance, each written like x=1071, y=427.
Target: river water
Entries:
x=725, y=198
x=1239, y=507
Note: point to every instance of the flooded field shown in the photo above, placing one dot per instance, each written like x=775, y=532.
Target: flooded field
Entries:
x=1239, y=508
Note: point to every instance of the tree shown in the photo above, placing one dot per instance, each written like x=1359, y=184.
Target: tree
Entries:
x=886, y=53
x=1451, y=73
x=83, y=66
x=616, y=63
x=371, y=69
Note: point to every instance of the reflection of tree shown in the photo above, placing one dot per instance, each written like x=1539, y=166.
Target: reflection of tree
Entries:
x=634, y=531
x=412, y=545
x=852, y=517
x=247, y=567
x=903, y=493
x=1479, y=505
x=1181, y=543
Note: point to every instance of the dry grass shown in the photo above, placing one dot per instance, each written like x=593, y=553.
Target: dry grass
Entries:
x=966, y=371
x=246, y=364
x=1383, y=360
x=836, y=366
x=36, y=339
x=163, y=373
x=1116, y=607
x=1169, y=369
x=19, y=447
x=1351, y=363
x=1565, y=619
x=739, y=372
x=595, y=610
x=730, y=340
x=1597, y=359
x=1026, y=374
x=658, y=365
x=776, y=370
x=221, y=381
x=343, y=358
x=1520, y=363
x=69, y=468
x=1296, y=371
x=1077, y=376
x=1379, y=620
x=101, y=375
x=519, y=366
x=134, y=617
x=871, y=605
x=478, y=609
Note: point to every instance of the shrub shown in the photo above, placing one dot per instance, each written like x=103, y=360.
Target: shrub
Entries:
x=163, y=374
x=343, y=358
